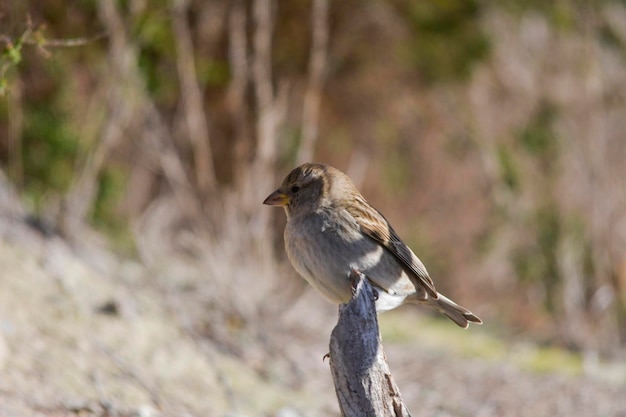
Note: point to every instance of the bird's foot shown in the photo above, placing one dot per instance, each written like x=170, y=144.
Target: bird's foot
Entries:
x=355, y=276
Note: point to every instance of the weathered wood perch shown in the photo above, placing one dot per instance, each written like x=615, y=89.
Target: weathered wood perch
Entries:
x=362, y=379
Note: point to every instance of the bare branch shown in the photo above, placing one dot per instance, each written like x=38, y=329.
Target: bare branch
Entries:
x=313, y=94
x=80, y=197
x=238, y=58
x=262, y=72
x=66, y=43
x=155, y=135
x=260, y=176
x=197, y=127
x=127, y=99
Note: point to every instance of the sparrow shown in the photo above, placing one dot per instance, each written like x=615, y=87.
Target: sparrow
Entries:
x=332, y=230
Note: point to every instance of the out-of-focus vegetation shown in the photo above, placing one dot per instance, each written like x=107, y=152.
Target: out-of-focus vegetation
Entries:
x=489, y=133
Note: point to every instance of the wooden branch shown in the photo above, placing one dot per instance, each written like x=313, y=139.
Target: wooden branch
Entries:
x=191, y=95
x=239, y=68
x=260, y=176
x=263, y=88
x=83, y=191
x=363, y=382
x=313, y=94
x=136, y=105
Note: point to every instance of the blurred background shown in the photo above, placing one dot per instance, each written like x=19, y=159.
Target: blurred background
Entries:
x=138, y=139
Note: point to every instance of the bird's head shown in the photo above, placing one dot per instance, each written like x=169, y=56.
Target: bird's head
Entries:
x=309, y=187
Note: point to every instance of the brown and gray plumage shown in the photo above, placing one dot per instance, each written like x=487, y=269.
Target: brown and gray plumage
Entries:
x=332, y=229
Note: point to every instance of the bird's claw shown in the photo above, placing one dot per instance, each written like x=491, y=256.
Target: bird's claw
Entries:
x=354, y=276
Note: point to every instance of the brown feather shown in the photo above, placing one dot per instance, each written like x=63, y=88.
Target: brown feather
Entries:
x=374, y=225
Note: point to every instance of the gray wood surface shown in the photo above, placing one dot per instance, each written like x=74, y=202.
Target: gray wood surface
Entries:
x=363, y=382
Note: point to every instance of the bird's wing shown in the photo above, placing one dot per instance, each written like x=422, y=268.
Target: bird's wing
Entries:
x=374, y=225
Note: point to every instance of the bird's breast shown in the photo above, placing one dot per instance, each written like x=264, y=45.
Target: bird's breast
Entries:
x=323, y=248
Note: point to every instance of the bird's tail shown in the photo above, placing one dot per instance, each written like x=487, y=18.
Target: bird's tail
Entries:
x=460, y=315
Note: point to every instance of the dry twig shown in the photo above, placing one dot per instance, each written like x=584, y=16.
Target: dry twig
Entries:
x=191, y=96
x=313, y=94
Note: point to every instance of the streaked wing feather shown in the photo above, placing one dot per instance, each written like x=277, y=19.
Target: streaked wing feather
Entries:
x=374, y=225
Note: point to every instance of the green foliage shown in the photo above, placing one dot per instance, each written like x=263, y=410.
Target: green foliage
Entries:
x=549, y=234
x=153, y=34
x=509, y=172
x=538, y=261
x=110, y=191
x=213, y=72
x=11, y=56
x=538, y=137
x=536, y=140
x=610, y=38
x=49, y=150
x=447, y=38
x=561, y=14
x=104, y=215
x=550, y=359
x=435, y=334
x=22, y=32
x=565, y=15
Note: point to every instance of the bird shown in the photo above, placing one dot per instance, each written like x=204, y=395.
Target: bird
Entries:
x=332, y=230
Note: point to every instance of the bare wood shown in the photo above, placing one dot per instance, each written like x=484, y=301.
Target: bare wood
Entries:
x=260, y=175
x=81, y=195
x=262, y=73
x=313, y=94
x=197, y=126
x=363, y=382
x=239, y=64
x=155, y=136
x=126, y=99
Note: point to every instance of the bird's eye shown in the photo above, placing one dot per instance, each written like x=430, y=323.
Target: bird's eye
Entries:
x=295, y=189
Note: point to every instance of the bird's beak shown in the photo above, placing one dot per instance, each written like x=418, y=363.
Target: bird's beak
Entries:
x=277, y=198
